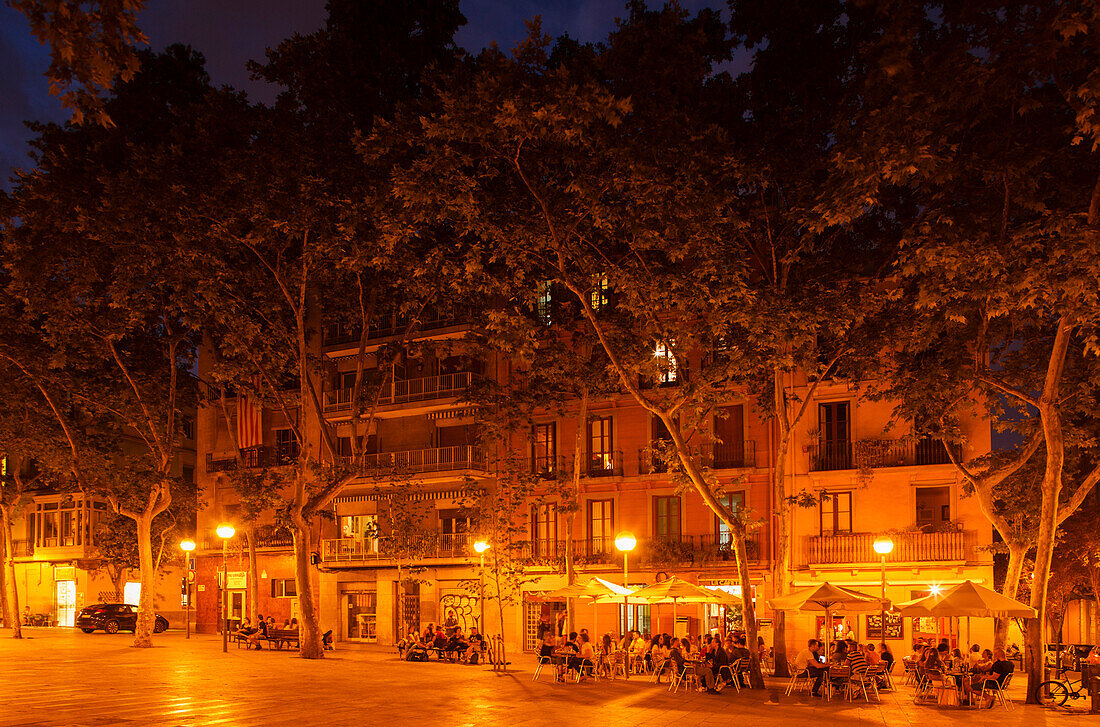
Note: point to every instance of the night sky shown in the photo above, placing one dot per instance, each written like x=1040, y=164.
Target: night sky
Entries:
x=230, y=32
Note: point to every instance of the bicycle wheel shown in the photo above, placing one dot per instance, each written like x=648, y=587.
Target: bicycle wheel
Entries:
x=1052, y=694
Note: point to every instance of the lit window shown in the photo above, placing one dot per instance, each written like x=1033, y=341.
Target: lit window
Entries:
x=667, y=370
x=544, y=302
x=599, y=297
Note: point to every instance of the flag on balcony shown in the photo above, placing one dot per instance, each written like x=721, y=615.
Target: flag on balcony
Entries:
x=249, y=418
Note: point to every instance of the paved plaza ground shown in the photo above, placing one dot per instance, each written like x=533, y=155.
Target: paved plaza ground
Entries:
x=64, y=677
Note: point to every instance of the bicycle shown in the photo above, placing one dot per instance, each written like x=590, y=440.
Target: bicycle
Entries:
x=1057, y=693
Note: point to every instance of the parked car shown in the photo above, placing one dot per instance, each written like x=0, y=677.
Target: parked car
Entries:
x=113, y=617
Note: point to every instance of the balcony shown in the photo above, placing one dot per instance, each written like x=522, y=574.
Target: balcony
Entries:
x=433, y=459
x=603, y=464
x=381, y=550
x=717, y=456
x=22, y=548
x=392, y=325
x=849, y=548
x=266, y=536
x=874, y=453
x=664, y=551
x=254, y=457
x=403, y=391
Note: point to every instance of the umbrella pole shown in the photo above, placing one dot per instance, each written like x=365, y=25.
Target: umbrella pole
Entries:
x=674, y=618
x=595, y=620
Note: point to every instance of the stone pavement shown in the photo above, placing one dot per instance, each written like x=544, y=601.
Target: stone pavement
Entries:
x=61, y=677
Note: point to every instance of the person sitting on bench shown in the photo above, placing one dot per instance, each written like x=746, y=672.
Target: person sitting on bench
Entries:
x=477, y=645
x=456, y=644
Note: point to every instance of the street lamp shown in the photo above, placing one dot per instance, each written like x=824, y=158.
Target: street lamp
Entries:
x=187, y=546
x=480, y=547
x=883, y=546
x=225, y=532
x=625, y=542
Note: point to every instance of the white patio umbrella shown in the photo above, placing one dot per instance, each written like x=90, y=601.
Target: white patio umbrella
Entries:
x=595, y=588
x=676, y=590
x=828, y=597
x=967, y=599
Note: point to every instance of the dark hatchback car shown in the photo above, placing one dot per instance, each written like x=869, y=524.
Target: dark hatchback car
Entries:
x=113, y=617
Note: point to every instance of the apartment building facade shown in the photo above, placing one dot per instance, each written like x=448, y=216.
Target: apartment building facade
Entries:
x=868, y=479
x=59, y=566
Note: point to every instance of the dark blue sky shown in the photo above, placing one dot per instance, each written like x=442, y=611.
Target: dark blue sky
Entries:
x=230, y=32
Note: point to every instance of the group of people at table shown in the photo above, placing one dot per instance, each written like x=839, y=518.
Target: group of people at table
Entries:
x=972, y=673
x=715, y=660
x=848, y=658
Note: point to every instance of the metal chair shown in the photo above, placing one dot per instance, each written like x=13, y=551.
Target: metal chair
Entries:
x=543, y=661
x=799, y=681
x=688, y=673
x=996, y=691
x=732, y=670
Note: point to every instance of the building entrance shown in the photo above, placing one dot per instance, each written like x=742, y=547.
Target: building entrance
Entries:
x=66, y=603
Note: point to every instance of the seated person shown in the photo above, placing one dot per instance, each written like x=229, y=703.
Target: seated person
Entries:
x=244, y=630
x=294, y=624
x=998, y=671
x=806, y=661
x=742, y=653
x=456, y=644
x=476, y=645
x=406, y=642
x=1093, y=659
x=886, y=656
x=439, y=642
x=585, y=657
x=417, y=651
x=259, y=633
x=872, y=655
x=705, y=669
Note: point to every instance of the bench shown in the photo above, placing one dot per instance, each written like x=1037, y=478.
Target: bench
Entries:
x=279, y=637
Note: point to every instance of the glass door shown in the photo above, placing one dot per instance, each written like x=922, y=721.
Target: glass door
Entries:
x=66, y=603
x=362, y=615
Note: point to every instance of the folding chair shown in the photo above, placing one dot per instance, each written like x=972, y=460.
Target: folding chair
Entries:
x=858, y=683
x=688, y=673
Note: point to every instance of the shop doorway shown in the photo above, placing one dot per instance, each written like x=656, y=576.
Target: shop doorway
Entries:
x=66, y=603
x=361, y=607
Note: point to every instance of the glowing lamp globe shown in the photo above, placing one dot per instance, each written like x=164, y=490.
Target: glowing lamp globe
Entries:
x=883, y=546
x=225, y=530
x=188, y=545
x=625, y=541
x=480, y=547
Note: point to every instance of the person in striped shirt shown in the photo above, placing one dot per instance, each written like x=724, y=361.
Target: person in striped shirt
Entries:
x=857, y=659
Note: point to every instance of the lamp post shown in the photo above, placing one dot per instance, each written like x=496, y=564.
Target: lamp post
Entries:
x=187, y=546
x=480, y=547
x=883, y=546
x=625, y=542
x=225, y=532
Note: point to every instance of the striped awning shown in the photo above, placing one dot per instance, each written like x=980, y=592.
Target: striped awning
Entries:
x=452, y=413
x=416, y=496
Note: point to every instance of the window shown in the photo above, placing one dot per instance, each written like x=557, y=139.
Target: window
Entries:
x=286, y=446
x=600, y=295
x=187, y=427
x=933, y=505
x=836, y=512
x=729, y=437
x=544, y=530
x=601, y=456
x=834, y=437
x=667, y=365
x=544, y=449
x=666, y=517
x=283, y=588
x=544, y=302
x=735, y=501
x=359, y=526
x=601, y=526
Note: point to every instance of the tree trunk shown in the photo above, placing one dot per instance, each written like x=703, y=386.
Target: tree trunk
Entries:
x=503, y=666
x=11, y=593
x=1044, y=550
x=1011, y=586
x=309, y=628
x=146, y=616
x=781, y=560
x=253, y=573
x=748, y=612
x=574, y=499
